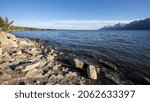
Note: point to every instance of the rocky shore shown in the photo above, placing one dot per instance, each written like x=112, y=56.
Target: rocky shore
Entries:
x=33, y=62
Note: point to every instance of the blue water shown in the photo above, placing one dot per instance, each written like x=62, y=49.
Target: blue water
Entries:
x=128, y=48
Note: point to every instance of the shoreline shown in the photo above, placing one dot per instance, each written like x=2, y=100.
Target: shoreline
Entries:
x=35, y=62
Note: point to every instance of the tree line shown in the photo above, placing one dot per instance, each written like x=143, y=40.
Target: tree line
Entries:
x=7, y=26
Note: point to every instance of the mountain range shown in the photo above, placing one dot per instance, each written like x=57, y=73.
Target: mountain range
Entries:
x=135, y=25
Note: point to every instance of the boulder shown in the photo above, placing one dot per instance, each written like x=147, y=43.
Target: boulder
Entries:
x=108, y=64
x=31, y=66
x=78, y=63
x=7, y=36
x=7, y=43
x=91, y=72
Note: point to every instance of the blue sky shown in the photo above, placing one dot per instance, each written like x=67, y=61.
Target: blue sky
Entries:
x=73, y=14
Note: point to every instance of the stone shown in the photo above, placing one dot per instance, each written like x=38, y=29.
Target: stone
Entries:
x=4, y=76
x=31, y=66
x=61, y=53
x=98, y=70
x=108, y=64
x=34, y=74
x=91, y=72
x=71, y=74
x=65, y=59
x=7, y=43
x=50, y=84
x=78, y=64
x=7, y=36
x=19, y=52
x=1, y=51
x=50, y=57
x=23, y=43
x=147, y=80
x=60, y=76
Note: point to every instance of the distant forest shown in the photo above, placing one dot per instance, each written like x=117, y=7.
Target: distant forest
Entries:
x=7, y=26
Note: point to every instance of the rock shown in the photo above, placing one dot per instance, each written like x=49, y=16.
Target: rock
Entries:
x=108, y=64
x=50, y=57
x=60, y=76
x=91, y=72
x=23, y=43
x=7, y=43
x=98, y=70
x=147, y=80
x=34, y=74
x=61, y=53
x=4, y=76
x=1, y=51
x=71, y=74
x=78, y=64
x=7, y=36
x=19, y=52
x=50, y=84
x=66, y=59
x=31, y=66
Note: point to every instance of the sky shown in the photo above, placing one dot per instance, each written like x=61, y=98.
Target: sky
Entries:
x=73, y=14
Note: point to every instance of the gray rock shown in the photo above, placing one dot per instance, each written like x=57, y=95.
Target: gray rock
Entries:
x=7, y=43
x=31, y=66
x=91, y=72
x=108, y=64
x=51, y=57
x=23, y=43
x=19, y=52
x=4, y=76
x=147, y=80
x=0, y=51
x=60, y=76
x=34, y=74
x=78, y=63
x=71, y=74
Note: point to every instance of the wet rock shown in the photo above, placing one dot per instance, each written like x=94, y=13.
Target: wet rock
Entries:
x=65, y=59
x=78, y=63
x=108, y=64
x=7, y=43
x=147, y=80
x=31, y=66
x=91, y=72
x=61, y=53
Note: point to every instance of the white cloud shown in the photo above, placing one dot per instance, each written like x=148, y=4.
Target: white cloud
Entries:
x=71, y=24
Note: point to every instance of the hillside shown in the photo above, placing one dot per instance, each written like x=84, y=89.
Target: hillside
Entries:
x=135, y=25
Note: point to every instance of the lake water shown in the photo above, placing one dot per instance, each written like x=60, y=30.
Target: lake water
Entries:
x=129, y=49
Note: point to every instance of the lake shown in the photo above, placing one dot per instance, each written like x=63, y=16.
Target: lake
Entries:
x=128, y=49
